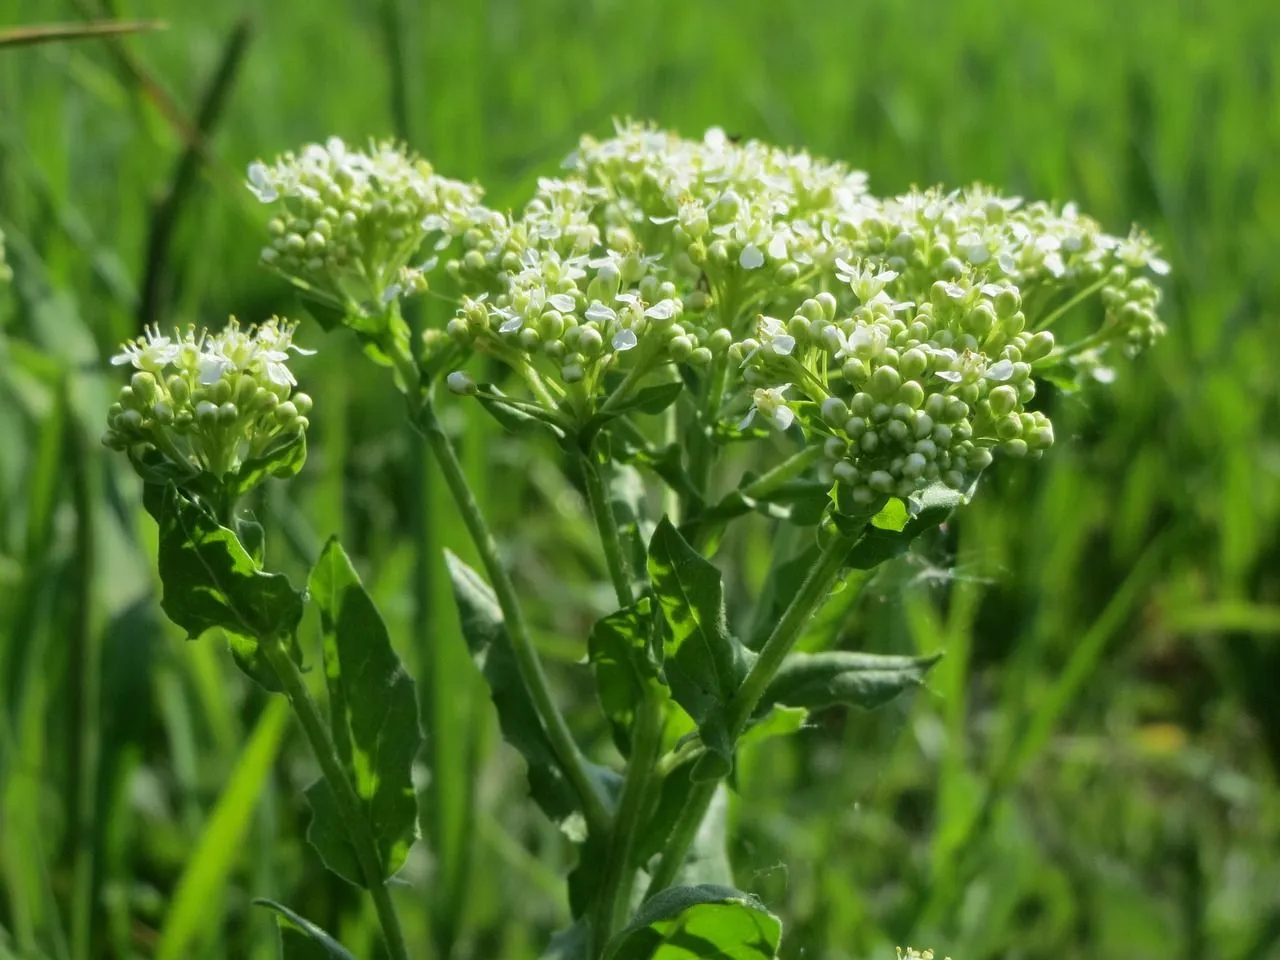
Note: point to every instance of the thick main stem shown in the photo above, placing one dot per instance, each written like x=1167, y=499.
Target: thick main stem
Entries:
x=619, y=872
x=618, y=880
x=527, y=661
x=349, y=805
x=822, y=576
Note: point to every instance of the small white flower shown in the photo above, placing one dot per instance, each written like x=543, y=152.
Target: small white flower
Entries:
x=662, y=310
x=770, y=403
x=1000, y=371
x=211, y=368
x=600, y=313
x=260, y=183
x=774, y=333
x=152, y=352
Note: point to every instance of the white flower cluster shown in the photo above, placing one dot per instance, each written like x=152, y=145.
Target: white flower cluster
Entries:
x=903, y=394
x=748, y=219
x=206, y=404
x=902, y=334
x=351, y=223
x=928, y=235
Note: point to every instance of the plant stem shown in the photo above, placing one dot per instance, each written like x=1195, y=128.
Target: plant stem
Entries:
x=822, y=576
x=349, y=804
x=618, y=880
x=788, y=469
x=607, y=525
x=817, y=584
x=527, y=660
x=619, y=872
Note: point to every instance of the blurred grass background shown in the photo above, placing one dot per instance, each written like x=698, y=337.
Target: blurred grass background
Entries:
x=1093, y=771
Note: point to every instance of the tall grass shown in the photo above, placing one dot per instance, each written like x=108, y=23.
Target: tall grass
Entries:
x=1094, y=770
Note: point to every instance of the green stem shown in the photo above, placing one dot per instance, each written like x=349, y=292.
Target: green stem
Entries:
x=349, y=804
x=788, y=469
x=567, y=753
x=1082, y=295
x=619, y=876
x=607, y=525
x=822, y=576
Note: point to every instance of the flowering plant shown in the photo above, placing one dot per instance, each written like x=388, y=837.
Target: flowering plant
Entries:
x=662, y=302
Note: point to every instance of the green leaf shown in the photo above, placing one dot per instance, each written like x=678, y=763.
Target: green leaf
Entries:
x=490, y=646
x=893, y=516
x=705, y=921
x=867, y=680
x=651, y=399
x=622, y=657
x=878, y=544
x=210, y=580
x=622, y=442
x=300, y=939
x=779, y=721
x=704, y=665
x=518, y=418
x=375, y=715
x=627, y=498
x=282, y=462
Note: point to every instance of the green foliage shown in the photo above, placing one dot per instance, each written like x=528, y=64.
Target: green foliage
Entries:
x=210, y=581
x=490, y=646
x=700, y=921
x=867, y=680
x=703, y=664
x=300, y=939
x=374, y=716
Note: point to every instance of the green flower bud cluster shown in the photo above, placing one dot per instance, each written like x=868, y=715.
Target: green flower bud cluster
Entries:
x=901, y=395
x=557, y=220
x=1048, y=253
x=350, y=222
x=576, y=319
x=913, y=954
x=204, y=404
x=747, y=216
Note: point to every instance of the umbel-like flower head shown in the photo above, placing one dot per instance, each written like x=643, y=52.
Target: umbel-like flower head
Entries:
x=215, y=413
x=351, y=224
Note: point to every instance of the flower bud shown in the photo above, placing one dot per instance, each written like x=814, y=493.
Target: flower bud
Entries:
x=1002, y=400
x=460, y=382
x=834, y=410
x=885, y=381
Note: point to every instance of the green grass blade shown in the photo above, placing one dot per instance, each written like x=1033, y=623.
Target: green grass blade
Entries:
x=196, y=907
